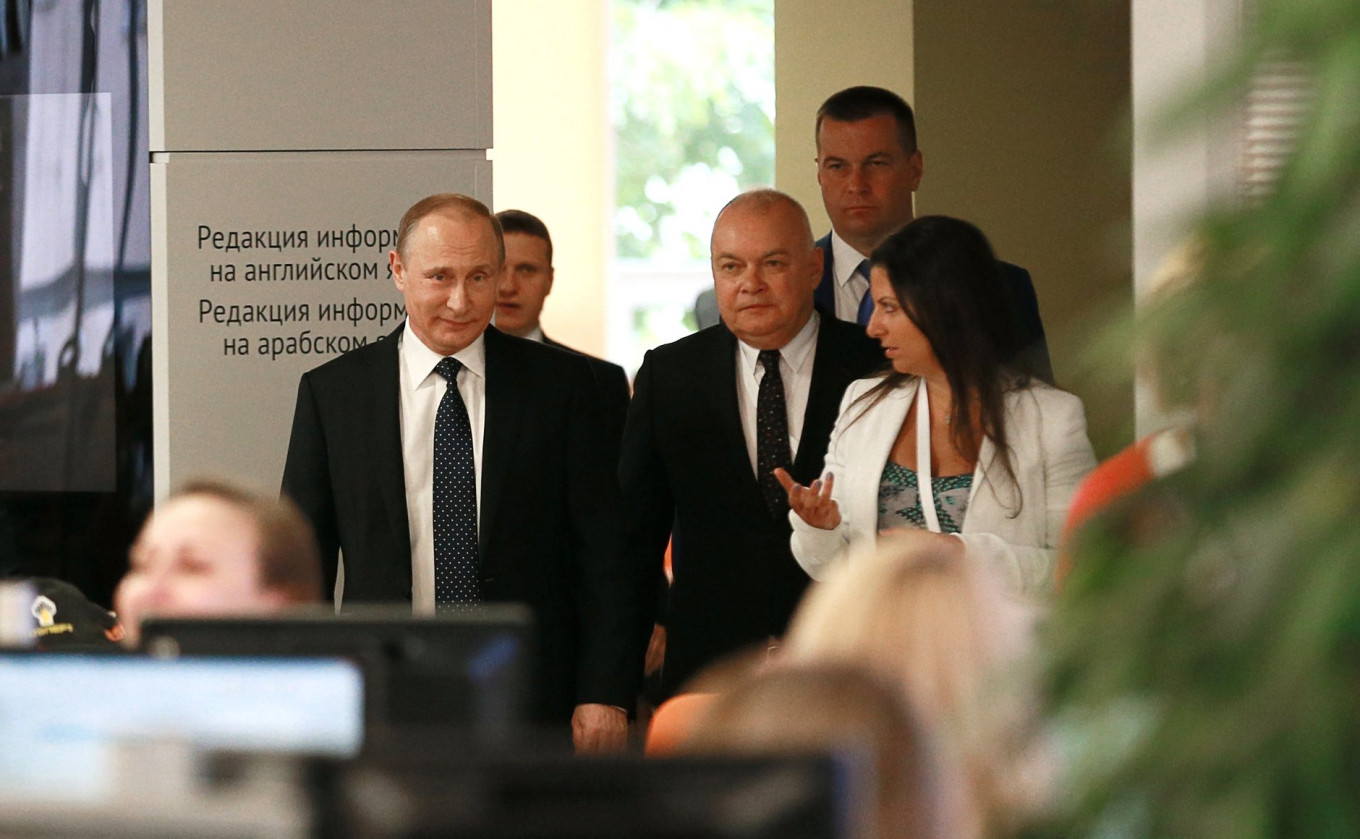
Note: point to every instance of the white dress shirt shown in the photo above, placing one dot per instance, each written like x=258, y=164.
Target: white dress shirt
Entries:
x=421, y=391
x=795, y=368
x=850, y=283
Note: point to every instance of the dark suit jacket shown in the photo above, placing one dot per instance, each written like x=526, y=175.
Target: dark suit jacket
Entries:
x=1023, y=301
x=685, y=469
x=612, y=384
x=549, y=527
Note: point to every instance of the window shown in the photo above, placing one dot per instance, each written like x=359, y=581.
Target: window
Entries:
x=692, y=104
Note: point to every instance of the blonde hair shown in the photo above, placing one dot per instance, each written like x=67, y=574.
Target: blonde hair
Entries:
x=835, y=709
x=942, y=631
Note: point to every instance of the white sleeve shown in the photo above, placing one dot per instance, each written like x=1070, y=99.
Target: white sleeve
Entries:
x=1067, y=458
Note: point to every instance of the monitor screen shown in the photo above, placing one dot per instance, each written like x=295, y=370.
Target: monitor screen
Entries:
x=62, y=716
x=467, y=671
x=75, y=266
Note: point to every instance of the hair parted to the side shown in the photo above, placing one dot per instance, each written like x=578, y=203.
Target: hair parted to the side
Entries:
x=447, y=202
x=519, y=221
x=289, y=561
x=863, y=102
x=949, y=284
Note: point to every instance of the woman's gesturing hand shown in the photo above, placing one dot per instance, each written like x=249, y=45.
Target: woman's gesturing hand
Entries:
x=813, y=504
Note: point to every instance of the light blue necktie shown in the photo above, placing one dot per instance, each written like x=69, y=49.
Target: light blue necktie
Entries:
x=866, y=303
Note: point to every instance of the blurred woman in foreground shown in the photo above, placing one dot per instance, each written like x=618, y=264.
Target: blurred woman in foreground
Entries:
x=212, y=550
x=838, y=709
x=955, y=645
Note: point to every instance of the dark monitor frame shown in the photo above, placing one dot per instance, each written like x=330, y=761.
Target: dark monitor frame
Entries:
x=430, y=792
x=467, y=673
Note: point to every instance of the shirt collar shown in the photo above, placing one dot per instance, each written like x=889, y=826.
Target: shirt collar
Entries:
x=419, y=360
x=535, y=334
x=844, y=258
x=794, y=353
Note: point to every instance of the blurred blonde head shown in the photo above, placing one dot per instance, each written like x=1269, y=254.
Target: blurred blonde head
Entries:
x=935, y=626
x=944, y=633
x=802, y=710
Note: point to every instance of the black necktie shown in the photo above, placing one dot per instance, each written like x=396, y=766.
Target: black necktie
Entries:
x=772, y=434
x=455, y=498
x=866, y=303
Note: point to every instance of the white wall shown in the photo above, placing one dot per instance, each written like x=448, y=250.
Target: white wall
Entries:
x=1174, y=44
x=272, y=143
x=553, y=152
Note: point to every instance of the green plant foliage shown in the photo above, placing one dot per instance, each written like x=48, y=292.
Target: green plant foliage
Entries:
x=1206, y=649
x=693, y=112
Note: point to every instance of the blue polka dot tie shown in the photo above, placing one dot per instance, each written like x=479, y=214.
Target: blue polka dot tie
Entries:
x=455, y=499
x=866, y=303
x=772, y=434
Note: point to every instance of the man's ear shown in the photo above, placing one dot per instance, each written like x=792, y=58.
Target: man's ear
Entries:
x=918, y=168
x=396, y=269
x=548, y=288
x=818, y=259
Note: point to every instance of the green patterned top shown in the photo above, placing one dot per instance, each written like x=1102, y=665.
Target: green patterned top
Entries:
x=899, y=500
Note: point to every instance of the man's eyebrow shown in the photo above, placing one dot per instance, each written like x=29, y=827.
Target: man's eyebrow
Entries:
x=764, y=255
x=487, y=267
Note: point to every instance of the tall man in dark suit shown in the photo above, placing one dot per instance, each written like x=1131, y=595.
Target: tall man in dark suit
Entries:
x=869, y=167
x=451, y=463
x=713, y=414
x=519, y=302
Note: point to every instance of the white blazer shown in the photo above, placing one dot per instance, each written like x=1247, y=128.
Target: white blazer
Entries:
x=1050, y=454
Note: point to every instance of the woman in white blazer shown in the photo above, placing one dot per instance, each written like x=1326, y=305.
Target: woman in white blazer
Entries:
x=1001, y=452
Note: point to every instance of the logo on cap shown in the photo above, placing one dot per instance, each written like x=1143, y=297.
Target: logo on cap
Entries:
x=44, y=610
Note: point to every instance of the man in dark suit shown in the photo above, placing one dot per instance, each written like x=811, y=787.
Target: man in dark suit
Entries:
x=869, y=167
x=453, y=464
x=713, y=414
x=519, y=302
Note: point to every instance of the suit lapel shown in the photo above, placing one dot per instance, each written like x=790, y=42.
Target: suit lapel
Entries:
x=385, y=390
x=880, y=429
x=720, y=368
x=831, y=372
x=505, y=398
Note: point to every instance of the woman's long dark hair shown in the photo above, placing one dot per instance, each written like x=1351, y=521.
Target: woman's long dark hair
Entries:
x=950, y=285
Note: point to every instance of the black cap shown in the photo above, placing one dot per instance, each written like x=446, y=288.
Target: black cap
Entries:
x=65, y=619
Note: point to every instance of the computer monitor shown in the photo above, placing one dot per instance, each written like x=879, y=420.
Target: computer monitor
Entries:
x=466, y=672
x=62, y=716
x=425, y=791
